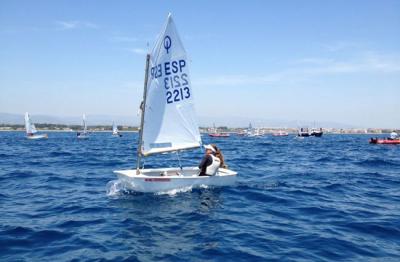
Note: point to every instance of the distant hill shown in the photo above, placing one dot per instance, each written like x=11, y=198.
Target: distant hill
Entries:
x=6, y=118
x=14, y=119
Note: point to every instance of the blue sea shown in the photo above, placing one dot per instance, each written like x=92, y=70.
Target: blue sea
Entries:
x=335, y=198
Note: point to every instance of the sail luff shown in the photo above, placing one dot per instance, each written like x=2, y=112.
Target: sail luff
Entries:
x=142, y=107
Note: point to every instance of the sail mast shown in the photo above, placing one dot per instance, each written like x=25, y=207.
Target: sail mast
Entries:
x=143, y=108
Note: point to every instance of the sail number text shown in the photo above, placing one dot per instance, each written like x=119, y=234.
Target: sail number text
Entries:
x=176, y=83
x=177, y=88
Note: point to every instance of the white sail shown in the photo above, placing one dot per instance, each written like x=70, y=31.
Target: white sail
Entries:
x=114, y=129
x=84, y=124
x=29, y=127
x=27, y=124
x=169, y=117
x=250, y=130
x=33, y=128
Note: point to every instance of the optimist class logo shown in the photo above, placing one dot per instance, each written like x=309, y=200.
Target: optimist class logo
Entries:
x=167, y=43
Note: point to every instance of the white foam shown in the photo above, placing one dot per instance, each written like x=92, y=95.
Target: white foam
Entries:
x=116, y=187
x=174, y=192
x=121, y=187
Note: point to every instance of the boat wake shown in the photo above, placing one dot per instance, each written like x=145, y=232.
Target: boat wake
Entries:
x=120, y=187
x=174, y=192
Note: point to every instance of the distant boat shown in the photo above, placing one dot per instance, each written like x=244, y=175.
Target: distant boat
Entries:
x=384, y=141
x=253, y=132
x=305, y=132
x=280, y=133
x=316, y=132
x=219, y=135
x=31, y=129
x=216, y=133
x=84, y=133
x=168, y=121
x=115, y=132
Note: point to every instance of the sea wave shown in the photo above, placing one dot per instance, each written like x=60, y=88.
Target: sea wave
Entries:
x=324, y=199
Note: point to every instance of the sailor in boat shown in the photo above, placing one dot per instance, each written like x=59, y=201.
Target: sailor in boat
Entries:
x=393, y=135
x=219, y=155
x=210, y=163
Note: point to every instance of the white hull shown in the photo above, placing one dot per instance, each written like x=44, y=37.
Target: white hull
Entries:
x=37, y=137
x=165, y=179
x=83, y=137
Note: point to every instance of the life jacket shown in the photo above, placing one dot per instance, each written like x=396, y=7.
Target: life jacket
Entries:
x=212, y=169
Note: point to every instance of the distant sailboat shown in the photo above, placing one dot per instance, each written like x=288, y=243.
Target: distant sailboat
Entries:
x=115, y=132
x=316, y=132
x=83, y=134
x=303, y=132
x=253, y=132
x=31, y=129
x=168, y=121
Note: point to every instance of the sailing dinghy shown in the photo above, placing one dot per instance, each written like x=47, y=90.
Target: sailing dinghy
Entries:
x=115, y=132
x=84, y=133
x=168, y=121
x=31, y=132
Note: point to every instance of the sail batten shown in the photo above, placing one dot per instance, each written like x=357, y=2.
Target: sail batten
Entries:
x=170, y=122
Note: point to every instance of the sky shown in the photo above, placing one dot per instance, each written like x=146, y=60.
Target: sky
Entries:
x=336, y=61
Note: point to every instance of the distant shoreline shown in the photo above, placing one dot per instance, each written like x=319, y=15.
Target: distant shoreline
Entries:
x=203, y=133
x=43, y=127
x=73, y=131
